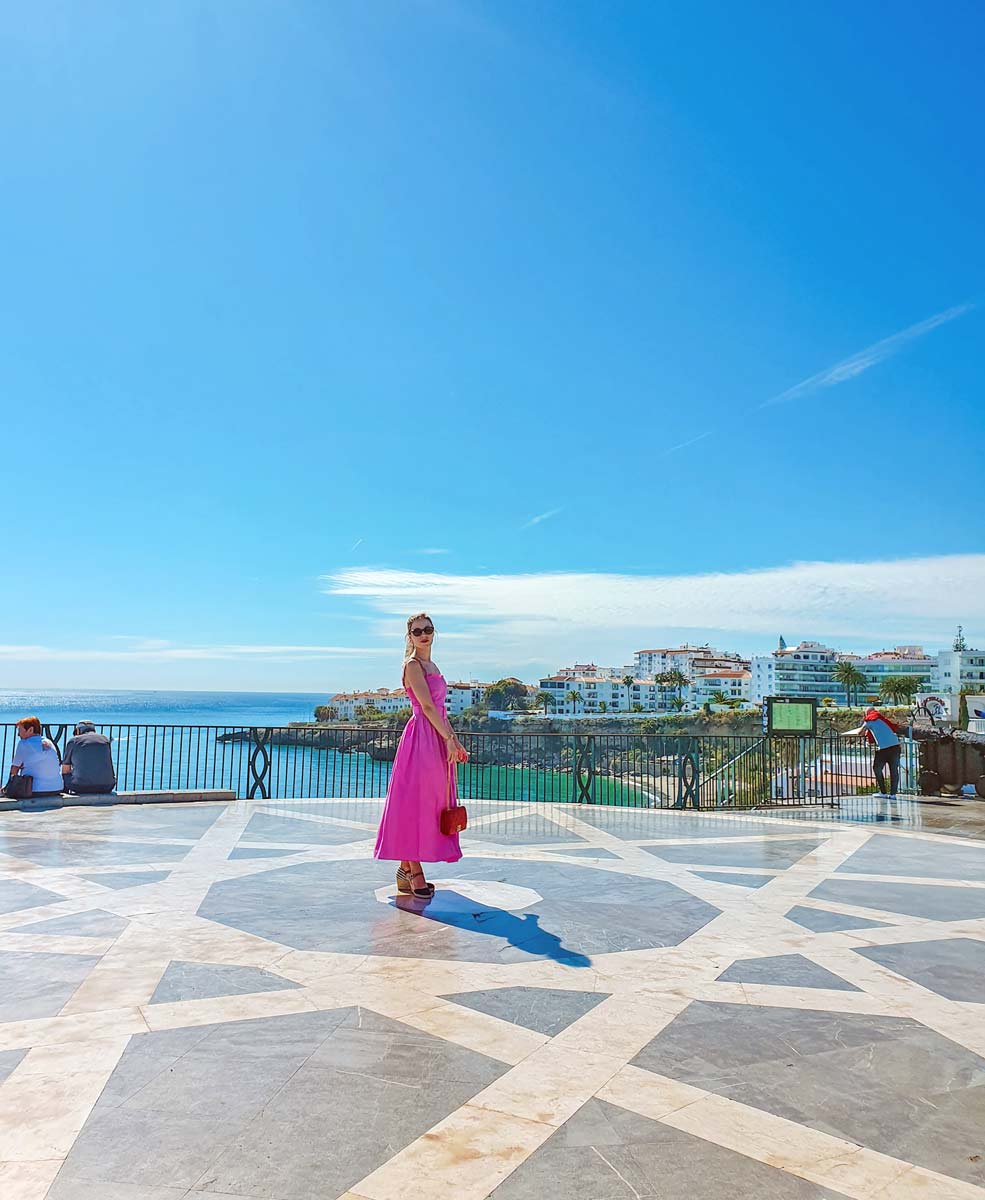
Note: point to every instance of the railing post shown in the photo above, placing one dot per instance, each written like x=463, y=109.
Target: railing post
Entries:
x=688, y=781
x=584, y=772
x=258, y=780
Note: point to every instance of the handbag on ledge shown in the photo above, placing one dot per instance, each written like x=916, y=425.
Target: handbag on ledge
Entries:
x=19, y=787
x=454, y=818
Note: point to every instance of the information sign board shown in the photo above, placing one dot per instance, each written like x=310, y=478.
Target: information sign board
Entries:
x=792, y=716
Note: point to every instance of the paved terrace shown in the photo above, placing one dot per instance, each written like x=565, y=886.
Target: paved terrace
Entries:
x=228, y=1001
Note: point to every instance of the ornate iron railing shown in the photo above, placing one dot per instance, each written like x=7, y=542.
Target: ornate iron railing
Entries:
x=649, y=771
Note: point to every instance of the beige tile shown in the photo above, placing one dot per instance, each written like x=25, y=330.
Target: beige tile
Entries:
x=464, y=1157
x=41, y=1115
x=42, y=943
x=70, y=1058
x=27, y=1180
x=47, y=1031
x=550, y=1085
x=650, y=1095
x=622, y=1025
x=121, y=982
x=224, y=1008
x=485, y=1034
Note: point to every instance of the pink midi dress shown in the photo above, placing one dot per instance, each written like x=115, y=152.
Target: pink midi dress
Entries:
x=422, y=783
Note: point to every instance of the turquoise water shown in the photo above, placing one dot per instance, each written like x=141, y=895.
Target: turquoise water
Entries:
x=195, y=758
x=64, y=706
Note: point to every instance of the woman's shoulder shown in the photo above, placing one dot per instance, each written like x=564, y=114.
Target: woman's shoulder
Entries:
x=423, y=669
x=413, y=661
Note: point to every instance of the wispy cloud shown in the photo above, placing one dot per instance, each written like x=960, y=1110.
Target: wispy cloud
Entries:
x=690, y=442
x=157, y=650
x=544, y=516
x=432, y=550
x=850, y=368
x=357, y=542
x=551, y=618
x=842, y=372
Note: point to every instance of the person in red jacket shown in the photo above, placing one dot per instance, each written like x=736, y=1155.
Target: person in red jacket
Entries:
x=882, y=733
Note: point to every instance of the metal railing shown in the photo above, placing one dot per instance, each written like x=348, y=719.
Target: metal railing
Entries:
x=745, y=771
x=638, y=770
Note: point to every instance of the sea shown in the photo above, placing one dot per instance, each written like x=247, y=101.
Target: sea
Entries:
x=64, y=706
x=187, y=756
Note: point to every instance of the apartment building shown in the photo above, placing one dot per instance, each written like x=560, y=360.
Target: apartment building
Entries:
x=959, y=667
x=735, y=685
x=807, y=669
x=384, y=700
x=613, y=693
x=464, y=695
x=901, y=660
x=647, y=664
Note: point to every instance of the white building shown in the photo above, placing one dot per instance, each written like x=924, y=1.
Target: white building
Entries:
x=596, y=691
x=803, y=670
x=732, y=684
x=808, y=670
x=959, y=667
x=647, y=664
x=390, y=700
x=384, y=700
x=464, y=695
x=908, y=661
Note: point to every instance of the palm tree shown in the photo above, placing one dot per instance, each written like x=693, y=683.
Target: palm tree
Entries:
x=899, y=689
x=678, y=681
x=544, y=700
x=575, y=699
x=603, y=707
x=850, y=678
x=719, y=698
x=627, y=683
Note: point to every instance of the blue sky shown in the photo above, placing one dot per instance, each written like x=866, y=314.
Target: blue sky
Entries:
x=587, y=326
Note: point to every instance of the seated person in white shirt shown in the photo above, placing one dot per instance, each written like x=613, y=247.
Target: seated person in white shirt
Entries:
x=36, y=756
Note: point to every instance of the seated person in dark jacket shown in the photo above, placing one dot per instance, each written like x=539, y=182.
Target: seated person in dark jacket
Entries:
x=88, y=762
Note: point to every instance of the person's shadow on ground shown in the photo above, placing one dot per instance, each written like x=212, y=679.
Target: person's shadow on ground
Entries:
x=448, y=907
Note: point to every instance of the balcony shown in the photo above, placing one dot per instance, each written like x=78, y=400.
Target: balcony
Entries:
x=257, y=1006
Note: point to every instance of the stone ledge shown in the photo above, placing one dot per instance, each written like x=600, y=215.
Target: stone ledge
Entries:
x=101, y=800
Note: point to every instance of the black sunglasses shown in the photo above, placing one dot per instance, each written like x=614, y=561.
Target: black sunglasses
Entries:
x=428, y=629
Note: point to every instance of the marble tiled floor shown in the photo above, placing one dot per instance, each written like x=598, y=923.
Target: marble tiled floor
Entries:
x=230, y=1001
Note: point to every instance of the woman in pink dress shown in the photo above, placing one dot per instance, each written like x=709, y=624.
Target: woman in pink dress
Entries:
x=422, y=781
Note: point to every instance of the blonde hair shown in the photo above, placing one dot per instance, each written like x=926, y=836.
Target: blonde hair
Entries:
x=409, y=642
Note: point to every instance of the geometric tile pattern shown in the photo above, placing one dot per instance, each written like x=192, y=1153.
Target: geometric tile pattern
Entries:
x=94, y=923
x=202, y=981
x=953, y=967
x=38, y=985
x=749, y=881
x=925, y=860
x=823, y=921
x=332, y=906
x=605, y=1151
x=126, y=879
x=758, y=853
x=933, y=902
x=909, y=1086
x=232, y=1000
x=784, y=970
x=545, y=1010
